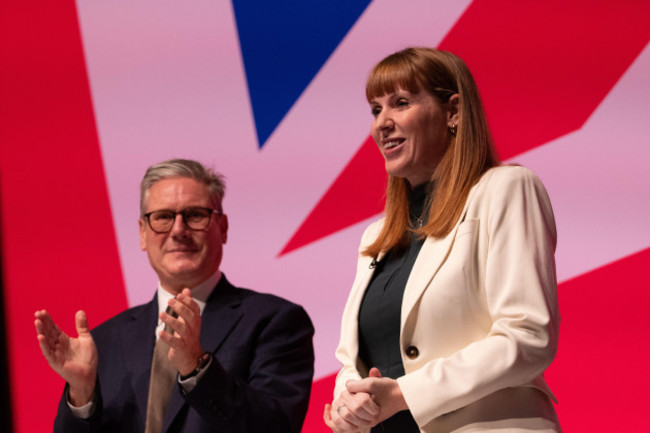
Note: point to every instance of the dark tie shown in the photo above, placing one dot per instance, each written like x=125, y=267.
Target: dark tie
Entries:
x=161, y=382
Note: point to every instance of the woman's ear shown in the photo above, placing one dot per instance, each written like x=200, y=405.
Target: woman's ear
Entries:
x=452, y=113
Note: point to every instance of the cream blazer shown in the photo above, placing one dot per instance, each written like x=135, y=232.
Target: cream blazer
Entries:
x=479, y=318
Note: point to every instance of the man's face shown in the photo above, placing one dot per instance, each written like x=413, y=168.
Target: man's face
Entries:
x=183, y=257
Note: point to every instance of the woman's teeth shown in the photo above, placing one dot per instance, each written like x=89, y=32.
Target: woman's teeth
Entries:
x=391, y=144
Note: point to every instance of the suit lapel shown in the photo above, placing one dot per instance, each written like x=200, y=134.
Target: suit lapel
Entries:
x=138, y=339
x=220, y=316
x=217, y=321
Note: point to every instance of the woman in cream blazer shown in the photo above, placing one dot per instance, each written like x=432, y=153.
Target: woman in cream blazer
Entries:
x=479, y=317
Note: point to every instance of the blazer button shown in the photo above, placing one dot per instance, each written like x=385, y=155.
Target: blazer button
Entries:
x=412, y=352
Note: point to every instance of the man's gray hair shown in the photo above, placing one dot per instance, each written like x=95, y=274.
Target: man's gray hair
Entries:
x=183, y=168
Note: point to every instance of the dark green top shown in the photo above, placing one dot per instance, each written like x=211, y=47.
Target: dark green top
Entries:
x=379, y=315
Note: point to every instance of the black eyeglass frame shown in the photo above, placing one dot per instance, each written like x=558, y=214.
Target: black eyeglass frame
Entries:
x=182, y=213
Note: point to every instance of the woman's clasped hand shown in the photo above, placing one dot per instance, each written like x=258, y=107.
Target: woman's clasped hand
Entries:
x=365, y=403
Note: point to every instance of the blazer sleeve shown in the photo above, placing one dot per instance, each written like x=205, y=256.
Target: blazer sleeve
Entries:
x=518, y=293
x=275, y=394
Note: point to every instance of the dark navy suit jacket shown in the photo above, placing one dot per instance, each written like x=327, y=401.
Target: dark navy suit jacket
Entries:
x=259, y=379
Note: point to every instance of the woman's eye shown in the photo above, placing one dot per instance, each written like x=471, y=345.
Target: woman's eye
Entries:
x=402, y=103
x=375, y=111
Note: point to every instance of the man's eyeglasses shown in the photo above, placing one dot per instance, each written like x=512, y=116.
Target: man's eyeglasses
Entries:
x=194, y=218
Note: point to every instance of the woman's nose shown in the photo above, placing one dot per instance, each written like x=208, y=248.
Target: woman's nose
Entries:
x=384, y=121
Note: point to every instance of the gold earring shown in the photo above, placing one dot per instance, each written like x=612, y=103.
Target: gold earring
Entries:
x=452, y=130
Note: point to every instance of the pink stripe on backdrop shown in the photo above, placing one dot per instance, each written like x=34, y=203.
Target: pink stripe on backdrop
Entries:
x=354, y=196
x=59, y=245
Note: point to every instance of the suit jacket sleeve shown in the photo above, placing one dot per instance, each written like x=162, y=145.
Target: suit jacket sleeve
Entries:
x=67, y=422
x=275, y=394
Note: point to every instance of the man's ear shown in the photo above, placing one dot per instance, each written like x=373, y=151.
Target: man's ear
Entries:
x=452, y=110
x=143, y=234
x=223, y=227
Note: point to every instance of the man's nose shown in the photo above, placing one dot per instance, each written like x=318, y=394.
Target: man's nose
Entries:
x=179, y=226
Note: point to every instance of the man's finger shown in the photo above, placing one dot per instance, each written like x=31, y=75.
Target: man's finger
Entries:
x=43, y=343
x=42, y=315
x=179, y=308
x=174, y=323
x=168, y=338
x=38, y=324
x=189, y=317
x=43, y=322
x=46, y=327
x=185, y=298
x=81, y=323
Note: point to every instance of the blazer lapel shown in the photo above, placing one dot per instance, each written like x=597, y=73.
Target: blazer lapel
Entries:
x=217, y=321
x=433, y=254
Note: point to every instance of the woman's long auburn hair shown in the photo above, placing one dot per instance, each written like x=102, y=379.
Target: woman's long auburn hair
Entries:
x=470, y=152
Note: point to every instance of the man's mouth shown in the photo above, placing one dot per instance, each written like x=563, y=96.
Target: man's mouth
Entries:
x=182, y=250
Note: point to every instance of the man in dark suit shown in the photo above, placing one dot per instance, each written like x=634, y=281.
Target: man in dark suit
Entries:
x=219, y=359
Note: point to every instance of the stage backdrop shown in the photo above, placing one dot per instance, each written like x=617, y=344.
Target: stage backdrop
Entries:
x=271, y=93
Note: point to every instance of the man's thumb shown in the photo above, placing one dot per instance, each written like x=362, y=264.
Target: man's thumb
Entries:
x=81, y=323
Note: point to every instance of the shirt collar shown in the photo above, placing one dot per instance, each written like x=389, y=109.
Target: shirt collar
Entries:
x=200, y=293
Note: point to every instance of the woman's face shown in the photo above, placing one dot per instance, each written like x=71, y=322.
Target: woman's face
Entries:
x=411, y=132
